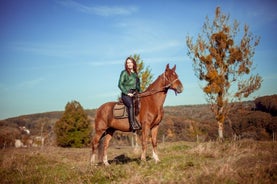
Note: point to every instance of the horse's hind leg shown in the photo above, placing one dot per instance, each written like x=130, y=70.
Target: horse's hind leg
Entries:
x=108, y=138
x=95, y=144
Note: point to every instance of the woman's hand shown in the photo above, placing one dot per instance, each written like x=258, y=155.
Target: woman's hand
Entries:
x=130, y=94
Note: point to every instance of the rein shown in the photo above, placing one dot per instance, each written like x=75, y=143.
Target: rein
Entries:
x=154, y=91
x=149, y=93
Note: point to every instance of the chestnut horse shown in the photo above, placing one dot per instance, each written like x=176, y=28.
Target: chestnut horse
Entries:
x=150, y=116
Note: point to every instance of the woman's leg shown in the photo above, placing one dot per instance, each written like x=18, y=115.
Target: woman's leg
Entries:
x=128, y=102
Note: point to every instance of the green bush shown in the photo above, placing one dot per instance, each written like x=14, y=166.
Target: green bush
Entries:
x=73, y=129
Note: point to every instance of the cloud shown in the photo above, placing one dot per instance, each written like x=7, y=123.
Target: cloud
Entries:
x=100, y=10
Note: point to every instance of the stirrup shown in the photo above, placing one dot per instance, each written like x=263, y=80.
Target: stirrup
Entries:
x=138, y=124
x=134, y=126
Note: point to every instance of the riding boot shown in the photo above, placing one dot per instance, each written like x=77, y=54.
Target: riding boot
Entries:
x=134, y=125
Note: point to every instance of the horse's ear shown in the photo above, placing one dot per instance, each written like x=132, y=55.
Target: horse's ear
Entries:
x=174, y=68
x=167, y=67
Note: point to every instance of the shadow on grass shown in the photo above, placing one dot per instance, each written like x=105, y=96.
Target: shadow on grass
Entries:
x=123, y=159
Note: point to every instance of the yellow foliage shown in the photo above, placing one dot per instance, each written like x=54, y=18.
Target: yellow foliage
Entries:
x=220, y=80
x=211, y=75
x=243, y=69
x=207, y=89
x=238, y=54
x=201, y=46
x=203, y=59
x=206, y=59
x=230, y=42
x=212, y=51
x=209, y=59
x=212, y=88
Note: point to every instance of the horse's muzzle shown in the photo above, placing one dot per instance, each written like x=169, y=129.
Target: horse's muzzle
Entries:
x=179, y=89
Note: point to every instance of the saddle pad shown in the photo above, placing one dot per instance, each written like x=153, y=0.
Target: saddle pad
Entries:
x=120, y=111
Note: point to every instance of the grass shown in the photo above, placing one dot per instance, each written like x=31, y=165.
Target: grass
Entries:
x=181, y=162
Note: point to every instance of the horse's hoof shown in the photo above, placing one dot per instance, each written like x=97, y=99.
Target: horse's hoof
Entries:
x=157, y=161
x=106, y=164
x=143, y=159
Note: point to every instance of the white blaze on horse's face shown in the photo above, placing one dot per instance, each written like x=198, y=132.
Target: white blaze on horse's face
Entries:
x=177, y=85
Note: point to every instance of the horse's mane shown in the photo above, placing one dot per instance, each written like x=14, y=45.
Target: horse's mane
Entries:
x=153, y=84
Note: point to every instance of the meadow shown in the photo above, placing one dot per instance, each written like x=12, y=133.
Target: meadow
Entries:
x=244, y=161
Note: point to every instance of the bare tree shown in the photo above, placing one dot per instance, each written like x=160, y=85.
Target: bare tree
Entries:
x=224, y=62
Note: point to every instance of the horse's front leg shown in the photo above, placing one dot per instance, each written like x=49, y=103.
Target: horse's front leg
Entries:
x=144, y=136
x=154, y=132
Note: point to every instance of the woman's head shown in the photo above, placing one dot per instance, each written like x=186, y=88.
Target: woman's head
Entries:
x=130, y=64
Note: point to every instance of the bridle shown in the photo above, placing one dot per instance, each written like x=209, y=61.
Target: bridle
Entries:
x=170, y=82
x=163, y=89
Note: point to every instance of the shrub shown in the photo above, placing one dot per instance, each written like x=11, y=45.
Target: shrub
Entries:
x=73, y=129
x=267, y=104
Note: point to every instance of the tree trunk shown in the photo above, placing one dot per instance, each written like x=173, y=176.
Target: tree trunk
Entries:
x=220, y=130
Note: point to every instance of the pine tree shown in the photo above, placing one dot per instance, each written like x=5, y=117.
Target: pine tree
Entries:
x=73, y=129
x=144, y=73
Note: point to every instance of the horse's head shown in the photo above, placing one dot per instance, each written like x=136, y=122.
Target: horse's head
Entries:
x=171, y=79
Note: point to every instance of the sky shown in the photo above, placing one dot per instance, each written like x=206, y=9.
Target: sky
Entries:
x=56, y=51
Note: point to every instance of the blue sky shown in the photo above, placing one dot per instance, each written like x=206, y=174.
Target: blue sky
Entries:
x=56, y=51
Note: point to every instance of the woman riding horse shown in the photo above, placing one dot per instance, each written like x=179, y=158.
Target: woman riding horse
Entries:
x=129, y=84
x=150, y=116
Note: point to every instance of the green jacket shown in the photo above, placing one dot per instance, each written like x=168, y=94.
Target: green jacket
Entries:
x=127, y=82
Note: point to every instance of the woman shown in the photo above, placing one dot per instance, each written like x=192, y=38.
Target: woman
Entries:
x=129, y=84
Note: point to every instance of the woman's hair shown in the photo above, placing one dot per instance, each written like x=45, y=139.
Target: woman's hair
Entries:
x=134, y=63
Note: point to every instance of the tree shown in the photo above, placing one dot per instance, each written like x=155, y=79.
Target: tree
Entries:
x=223, y=62
x=73, y=129
x=144, y=73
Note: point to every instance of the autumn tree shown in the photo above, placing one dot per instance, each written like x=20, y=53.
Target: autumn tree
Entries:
x=223, y=61
x=144, y=73
x=73, y=129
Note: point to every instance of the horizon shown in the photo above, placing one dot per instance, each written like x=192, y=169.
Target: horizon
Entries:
x=56, y=51
x=94, y=109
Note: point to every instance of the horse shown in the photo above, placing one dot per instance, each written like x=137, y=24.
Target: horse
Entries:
x=150, y=116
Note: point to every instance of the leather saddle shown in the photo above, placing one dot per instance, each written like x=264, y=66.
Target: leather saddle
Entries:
x=120, y=111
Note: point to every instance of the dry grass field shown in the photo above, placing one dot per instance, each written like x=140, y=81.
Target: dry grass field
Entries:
x=244, y=161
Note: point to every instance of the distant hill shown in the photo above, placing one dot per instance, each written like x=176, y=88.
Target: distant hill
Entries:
x=253, y=119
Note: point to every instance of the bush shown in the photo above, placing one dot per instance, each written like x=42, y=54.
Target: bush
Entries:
x=73, y=129
x=252, y=124
x=267, y=104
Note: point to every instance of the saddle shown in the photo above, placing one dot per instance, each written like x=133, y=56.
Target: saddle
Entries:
x=120, y=110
